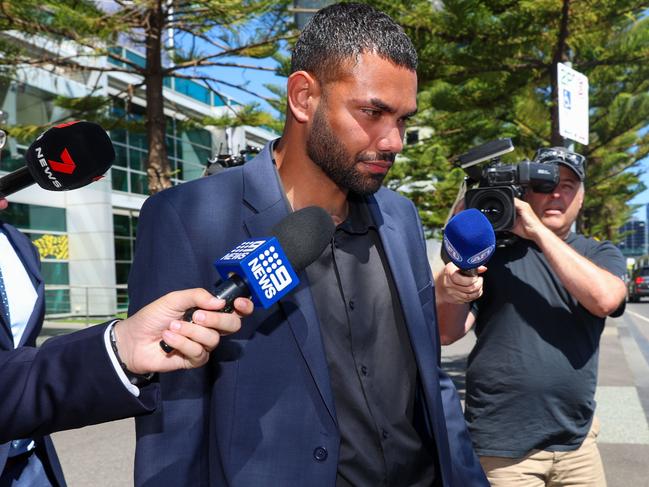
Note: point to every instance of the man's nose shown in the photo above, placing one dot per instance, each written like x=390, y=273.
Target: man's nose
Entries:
x=391, y=140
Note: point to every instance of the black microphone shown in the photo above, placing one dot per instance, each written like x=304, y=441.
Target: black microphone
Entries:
x=469, y=241
x=67, y=156
x=264, y=269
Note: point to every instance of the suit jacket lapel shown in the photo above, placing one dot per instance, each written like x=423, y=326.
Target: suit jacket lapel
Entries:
x=424, y=342
x=264, y=195
x=423, y=339
x=391, y=232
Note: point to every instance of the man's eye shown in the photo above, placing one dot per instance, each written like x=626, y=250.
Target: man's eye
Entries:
x=371, y=113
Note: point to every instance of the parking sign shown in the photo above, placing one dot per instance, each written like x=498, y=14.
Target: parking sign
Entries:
x=573, y=104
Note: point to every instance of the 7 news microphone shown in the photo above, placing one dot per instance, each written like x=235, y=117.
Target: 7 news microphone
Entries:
x=67, y=156
x=469, y=241
x=265, y=269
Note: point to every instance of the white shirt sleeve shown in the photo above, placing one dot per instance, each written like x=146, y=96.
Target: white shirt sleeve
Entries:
x=118, y=368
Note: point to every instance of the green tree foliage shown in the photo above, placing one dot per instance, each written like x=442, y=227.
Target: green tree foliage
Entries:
x=84, y=38
x=488, y=70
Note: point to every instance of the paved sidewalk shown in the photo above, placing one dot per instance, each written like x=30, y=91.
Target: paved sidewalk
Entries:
x=622, y=394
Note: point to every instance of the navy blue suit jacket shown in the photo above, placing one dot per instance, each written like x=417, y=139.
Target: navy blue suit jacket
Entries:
x=262, y=411
x=67, y=383
x=31, y=262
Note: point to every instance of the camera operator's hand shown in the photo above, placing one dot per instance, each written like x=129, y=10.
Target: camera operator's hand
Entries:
x=528, y=225
x=453, y=287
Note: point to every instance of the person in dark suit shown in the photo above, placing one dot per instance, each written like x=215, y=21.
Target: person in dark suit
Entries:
x=340, y=382
x=89, y=376
x=76, y=379
x=28, y=460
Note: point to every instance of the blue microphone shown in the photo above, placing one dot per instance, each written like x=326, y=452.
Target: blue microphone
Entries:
x=265, y=268
x=469, y=240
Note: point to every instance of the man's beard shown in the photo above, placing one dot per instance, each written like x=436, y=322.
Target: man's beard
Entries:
x=326, y=150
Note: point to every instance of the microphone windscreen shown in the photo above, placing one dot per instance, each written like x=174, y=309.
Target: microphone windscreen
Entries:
x=469, y=239
x=70, y=155
x=304, y=234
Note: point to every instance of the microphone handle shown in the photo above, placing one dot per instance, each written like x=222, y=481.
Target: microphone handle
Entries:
x=15, y=181
x=232, y=288
x=469, y=272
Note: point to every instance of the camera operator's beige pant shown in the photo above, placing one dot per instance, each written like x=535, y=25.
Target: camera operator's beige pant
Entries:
x=578, y=468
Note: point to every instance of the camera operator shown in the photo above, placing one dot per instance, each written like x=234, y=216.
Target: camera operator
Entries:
x=531, y=377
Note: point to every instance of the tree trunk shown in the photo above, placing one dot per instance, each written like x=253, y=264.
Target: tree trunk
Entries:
x=158, y=168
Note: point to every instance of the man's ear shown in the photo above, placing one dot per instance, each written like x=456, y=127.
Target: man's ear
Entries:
x=581, y=194
x=302, y=91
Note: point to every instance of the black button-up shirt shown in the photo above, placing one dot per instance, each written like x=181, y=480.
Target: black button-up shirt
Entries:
x=371, y=362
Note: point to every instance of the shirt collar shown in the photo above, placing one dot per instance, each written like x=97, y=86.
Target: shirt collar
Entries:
x=358, y=220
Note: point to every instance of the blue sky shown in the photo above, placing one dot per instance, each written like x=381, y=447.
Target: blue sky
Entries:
x=253, y=79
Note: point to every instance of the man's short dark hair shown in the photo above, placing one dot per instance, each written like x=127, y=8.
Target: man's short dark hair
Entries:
x=339, y=33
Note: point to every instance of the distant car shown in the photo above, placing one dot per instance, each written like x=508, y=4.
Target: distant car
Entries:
x=638, y=284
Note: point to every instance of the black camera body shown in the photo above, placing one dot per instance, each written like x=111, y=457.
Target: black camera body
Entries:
x=494, y=185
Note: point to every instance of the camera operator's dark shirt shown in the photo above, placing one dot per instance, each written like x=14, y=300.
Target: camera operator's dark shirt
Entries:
x=532, y=374
x=372, y=367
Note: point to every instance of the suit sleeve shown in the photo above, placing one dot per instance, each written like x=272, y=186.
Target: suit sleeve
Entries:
x=466, y=468
x=68, y=383
x=171, y=443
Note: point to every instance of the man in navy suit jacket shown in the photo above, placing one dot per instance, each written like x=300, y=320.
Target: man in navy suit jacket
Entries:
x=35, y=456
x=339, y=383
x=73, y=381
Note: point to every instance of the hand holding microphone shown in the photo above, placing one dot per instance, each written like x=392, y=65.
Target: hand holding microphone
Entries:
x=67, y=156
x=469, y=242
x=265, y=269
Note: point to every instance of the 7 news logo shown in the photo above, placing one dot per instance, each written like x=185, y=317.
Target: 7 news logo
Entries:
x=65, y=166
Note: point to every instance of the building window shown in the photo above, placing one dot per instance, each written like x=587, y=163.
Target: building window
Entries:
x=412, y=136
x=46, y=227
x=124, y=226
x=188, y=151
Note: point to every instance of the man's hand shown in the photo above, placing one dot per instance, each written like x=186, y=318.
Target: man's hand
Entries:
x=528, y=225
x=139, y=335
x=453, y=293
x=453, y=287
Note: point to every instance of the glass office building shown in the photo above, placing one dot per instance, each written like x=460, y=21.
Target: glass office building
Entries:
x=634, y=242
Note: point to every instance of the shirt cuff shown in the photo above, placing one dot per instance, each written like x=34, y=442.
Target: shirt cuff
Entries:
x=113, y=359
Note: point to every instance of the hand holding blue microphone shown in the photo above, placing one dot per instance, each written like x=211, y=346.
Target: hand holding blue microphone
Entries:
x=469, y=242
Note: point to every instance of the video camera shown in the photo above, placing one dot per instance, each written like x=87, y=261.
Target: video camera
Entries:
x=494, y=185
x=221, y=161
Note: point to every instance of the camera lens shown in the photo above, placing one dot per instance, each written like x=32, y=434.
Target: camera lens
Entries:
x=497, y=204
x=493, y=209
